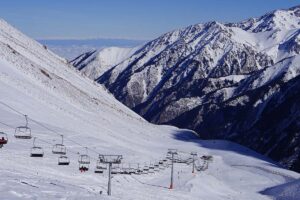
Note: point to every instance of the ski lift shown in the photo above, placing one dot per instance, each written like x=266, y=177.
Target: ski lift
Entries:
x=132, y=171
x=116, y=170
x=63, y=160
x=100, y=167
x=84, y=161
x=139, y=171
x=84, y=158
x=23, y=132
x=169, y=156
x=161, y=167
x=126, y=171
x=3, y=139
x=60, y=148
x=145, y=169
x=36, y=151
x=151, y=168
x=156, y=167
x=129, y=170
x=136, y=169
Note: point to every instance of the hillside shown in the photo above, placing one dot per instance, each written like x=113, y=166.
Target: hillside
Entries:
x=94, y=63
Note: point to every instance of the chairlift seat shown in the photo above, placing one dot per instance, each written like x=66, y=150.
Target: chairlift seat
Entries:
x=97, y=171
x=84, y=159
x=3, y=138
x=63, y=160
x=101, y=167
x=59, y=149
x=23, y=132
x=37, y=152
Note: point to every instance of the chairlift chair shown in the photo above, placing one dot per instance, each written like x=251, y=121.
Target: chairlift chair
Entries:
x=60, y=148
x=23, y=132
x=156, y=166
x=84, y=161
x=36, y=151
x=100, y=167
x=145, y=169
x=63, y=160
x=151, y=168
x=169, y=156
x=126, y=171
x=115, y=170
x=161, y=167
x=122, y=171
x=84, y=158
x=3, y=139
x=139, y=171
x=98, y=171
x=132, y=171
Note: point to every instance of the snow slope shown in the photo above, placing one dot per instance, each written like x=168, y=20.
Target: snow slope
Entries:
x=94, y=63
x=54, y=95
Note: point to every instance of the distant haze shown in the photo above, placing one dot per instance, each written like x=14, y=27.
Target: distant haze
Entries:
x=72, y=48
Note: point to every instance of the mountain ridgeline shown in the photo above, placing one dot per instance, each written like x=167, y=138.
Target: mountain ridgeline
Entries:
x=236, y=81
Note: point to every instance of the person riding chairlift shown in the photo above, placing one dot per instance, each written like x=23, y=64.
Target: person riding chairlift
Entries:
x=3, y=140
x=83, y=169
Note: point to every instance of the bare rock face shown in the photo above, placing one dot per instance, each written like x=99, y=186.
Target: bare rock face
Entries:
x=236, y=81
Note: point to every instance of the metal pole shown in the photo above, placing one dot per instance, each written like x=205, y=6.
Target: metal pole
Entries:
x=172, y=170
x=109, y=179
x=193, y=164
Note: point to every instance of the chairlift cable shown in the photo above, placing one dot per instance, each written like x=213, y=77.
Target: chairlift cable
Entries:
x=44, y=141
x=42, y=125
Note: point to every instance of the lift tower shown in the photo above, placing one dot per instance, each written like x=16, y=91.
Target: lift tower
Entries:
x=110, y=159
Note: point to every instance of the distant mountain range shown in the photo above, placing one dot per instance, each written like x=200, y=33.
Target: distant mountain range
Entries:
x=71, y=48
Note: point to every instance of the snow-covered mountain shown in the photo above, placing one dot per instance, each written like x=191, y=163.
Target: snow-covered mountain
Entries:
x=94, y=63
x=71, y=48
x=58, y=100
x=224, y=81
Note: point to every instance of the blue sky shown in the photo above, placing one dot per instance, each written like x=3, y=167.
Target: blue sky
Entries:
x=131, y=19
